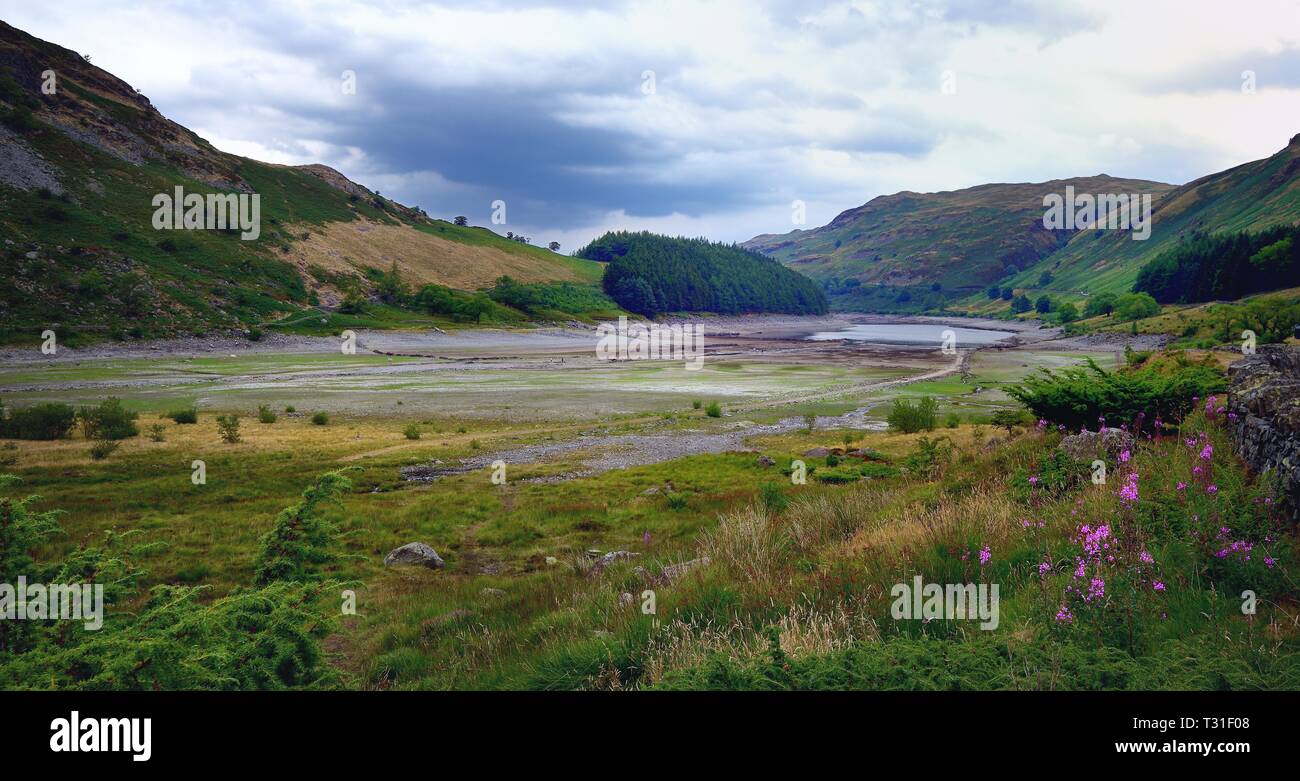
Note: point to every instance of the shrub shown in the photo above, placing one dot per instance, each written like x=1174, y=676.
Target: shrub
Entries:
x=110, y=420
x=40, y=422
x=156, y=433
x=412, y=431
x=696, y=404
x=1008, y=419
x=103, y=448
x=190, y=415
x=773, y=498
x=1078, y=397
x=290, y=409
x=265, y=415
x=713, y=410
x=320, y=419
x=909, y=417
x=300, y=539
x=228, y=425
x=953, y=420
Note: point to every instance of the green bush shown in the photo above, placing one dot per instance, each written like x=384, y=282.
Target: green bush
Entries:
x=228, y=425
x=190, y=415
x=713, y=410
x=103, y=448
x=412, y=431
x=265, y=415
x=41, y=422
x=156, y=433
x=909, y=417
x=1078, y=397
x=110, y=420
x=320, y=419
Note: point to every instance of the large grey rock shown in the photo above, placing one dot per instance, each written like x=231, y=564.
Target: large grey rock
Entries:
x=414, y=553
x=1089, y=446
x=1264, y=396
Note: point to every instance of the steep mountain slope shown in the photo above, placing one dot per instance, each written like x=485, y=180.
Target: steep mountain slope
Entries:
x=962, y=240
x=1249, y=197
x=79, y=169
x=899, y=247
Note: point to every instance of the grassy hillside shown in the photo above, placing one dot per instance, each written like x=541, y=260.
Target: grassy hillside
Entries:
x=82, y=166
x=1249, y=197
x=961, y=241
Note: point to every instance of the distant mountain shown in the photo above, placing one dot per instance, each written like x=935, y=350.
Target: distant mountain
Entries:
x=81, y=165
x=1250, y=197
x=651, y=274
x=960, y=241
x=915, y=251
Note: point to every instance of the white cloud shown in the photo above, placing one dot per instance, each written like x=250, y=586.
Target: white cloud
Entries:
x=756, y=103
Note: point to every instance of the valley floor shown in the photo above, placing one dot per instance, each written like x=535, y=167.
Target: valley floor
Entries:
x=598, y=456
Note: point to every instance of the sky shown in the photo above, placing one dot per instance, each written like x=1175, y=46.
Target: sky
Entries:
x=703, y=118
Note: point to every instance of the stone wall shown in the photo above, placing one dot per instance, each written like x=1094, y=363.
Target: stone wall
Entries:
x=1264, y=393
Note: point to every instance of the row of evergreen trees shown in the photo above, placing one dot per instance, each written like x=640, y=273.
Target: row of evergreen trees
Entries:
x=649, y=274
x=1207, y=267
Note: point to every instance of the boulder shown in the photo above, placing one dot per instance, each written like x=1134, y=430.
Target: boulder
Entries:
x=414, y=553
x=1088, y=446
x=765, y=461
x=817, y=452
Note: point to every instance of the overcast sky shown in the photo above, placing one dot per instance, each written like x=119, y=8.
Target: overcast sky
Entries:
x=703, y=118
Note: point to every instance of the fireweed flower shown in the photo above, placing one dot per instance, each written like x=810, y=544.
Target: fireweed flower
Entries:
x=1045, y=567
x=1096, y=590
x=1064, y=615
x=1269, y=561
x=1123, y=457
x=1129, y=493
x=1213, y=489
x=1207, y=452
x=1145, y=558
x=985, y=555
x=1181, y=485
x=1033, y=479
x=1158, y=586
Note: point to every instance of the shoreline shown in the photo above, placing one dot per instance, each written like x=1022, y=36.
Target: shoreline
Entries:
x=721, y=330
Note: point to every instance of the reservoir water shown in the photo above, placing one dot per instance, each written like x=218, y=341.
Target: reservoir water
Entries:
x=912, y=333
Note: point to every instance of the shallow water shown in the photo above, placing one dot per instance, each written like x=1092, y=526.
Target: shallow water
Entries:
x=912, y=333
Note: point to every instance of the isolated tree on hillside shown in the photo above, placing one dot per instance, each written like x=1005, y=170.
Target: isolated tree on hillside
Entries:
x=553, y=246
x=460, y=221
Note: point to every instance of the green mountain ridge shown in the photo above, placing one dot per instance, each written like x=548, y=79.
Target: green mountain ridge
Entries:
x=960, y=242
x=79, y=168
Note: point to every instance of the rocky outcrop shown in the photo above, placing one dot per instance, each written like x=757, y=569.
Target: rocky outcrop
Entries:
x=1264, y=397
x=1088, y=446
